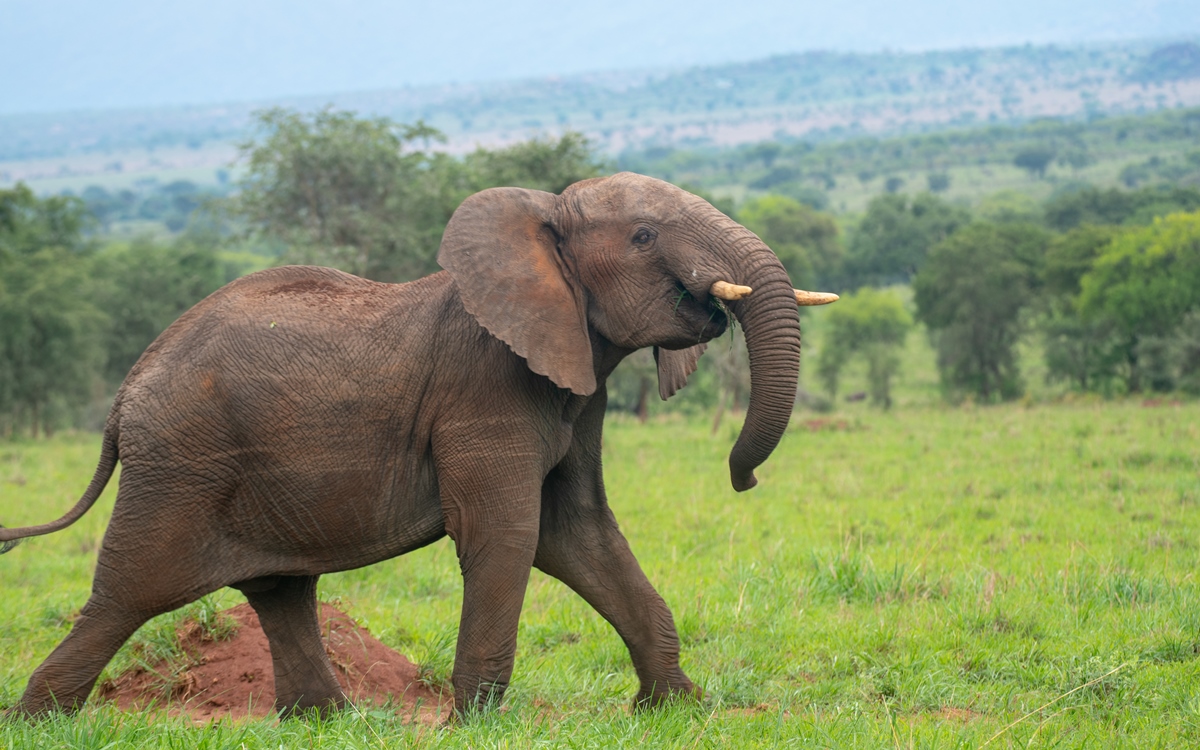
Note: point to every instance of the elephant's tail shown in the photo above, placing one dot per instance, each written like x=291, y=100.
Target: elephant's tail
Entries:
x=104, y=471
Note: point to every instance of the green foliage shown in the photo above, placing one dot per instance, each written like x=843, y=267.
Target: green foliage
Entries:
x=1034, y=159
x=805, y=240
x=144, y=286
x=1008, y=206
x=1093, y=205
x=939, y=182
x=970, y=295
x=980, y=154
x=1147, y=279
x=49, y=328
x=1186, y=349
x=1082, y=350
x=366, y=195
x=869, y=323
x=345, y=191
x=1170, y=62
x=540, y=164
x=330, y=187
x=1145, y=282
x=1071, y=255
x=171, y=204
x=891, y=242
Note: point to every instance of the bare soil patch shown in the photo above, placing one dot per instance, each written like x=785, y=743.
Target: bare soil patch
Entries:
x=233, y=678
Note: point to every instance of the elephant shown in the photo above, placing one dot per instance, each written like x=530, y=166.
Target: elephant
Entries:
x=302, y=421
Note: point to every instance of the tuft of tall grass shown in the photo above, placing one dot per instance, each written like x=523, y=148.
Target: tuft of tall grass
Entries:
x=851, y=576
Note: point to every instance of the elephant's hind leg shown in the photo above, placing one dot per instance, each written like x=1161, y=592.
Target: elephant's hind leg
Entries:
x=65, y=679
x=137, y=577
x=304, y=677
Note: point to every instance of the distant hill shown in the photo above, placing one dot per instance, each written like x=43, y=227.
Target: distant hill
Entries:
x=815, y=96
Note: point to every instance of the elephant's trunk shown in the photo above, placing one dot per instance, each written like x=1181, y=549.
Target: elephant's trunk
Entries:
x=769, y=318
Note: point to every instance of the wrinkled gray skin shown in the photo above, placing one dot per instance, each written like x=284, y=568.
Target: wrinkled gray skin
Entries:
x=301, y=421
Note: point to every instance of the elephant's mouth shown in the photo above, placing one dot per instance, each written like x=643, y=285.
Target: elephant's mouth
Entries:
x=709, y=319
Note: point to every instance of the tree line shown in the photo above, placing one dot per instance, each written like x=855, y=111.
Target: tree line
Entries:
x=1107, y=281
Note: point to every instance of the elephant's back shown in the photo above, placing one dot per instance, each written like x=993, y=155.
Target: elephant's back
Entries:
x=285, y=347
x=295, y=308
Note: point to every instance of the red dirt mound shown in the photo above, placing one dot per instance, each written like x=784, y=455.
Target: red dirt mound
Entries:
x=233, y=678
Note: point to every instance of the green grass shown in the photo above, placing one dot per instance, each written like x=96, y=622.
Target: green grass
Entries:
x=923, y=578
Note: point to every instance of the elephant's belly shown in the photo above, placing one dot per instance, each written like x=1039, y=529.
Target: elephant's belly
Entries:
x=325, y=517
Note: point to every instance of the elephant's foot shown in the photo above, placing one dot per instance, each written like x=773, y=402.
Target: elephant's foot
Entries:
x=658, y=694
x=309, y=705
x=304, y=678
x=39, y=701
x=473, y=697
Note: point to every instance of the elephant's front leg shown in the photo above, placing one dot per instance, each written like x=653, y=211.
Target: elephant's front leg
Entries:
x=495, y=573
x=589, y=554
x=491, y=512
x=579, y=544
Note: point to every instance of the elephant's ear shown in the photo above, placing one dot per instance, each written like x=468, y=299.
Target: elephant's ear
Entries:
x=674, y=366
x=502, y=252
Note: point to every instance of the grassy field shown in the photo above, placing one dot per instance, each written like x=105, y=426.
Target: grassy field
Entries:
x=932, y=577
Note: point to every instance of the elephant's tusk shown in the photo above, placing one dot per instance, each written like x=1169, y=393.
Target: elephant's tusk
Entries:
x=729, y=292
x=806, y=299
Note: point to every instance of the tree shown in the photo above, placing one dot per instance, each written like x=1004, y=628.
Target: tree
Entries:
x=144, y=286
x=939, y=182
x=49, y=331
x=1145, y=281
x=548, y=164
x=872, y=324
x=1035, y=159
x=767, y=152
x=1084, y=350
x=970, y=294
x=366, y=194
x=1186, y=341
x=342, y=190
x=805, y=240
x=891, y=242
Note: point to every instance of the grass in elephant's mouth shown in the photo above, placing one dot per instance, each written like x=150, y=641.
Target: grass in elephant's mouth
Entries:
x=680, y=295
x=933, y=577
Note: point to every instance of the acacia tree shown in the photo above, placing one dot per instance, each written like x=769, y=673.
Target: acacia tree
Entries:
x=368, y=195
x=871, y=324
x=970, y=294
x=341, y=190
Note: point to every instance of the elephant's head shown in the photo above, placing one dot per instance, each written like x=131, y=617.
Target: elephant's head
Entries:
x=641, y=263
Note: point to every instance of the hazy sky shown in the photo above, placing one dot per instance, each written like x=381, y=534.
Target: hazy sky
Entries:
x=84, y=54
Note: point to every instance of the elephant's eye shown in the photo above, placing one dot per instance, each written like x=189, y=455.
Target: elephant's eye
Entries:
x=643, y=236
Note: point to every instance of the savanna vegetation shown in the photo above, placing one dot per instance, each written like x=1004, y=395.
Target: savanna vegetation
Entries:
x=979, y=531
x=923, y=577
